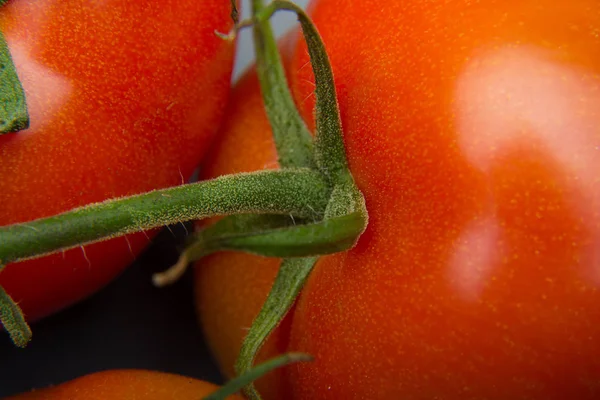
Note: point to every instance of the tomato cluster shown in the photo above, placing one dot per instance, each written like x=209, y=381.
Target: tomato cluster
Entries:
x=470, y=127
x=472, y=130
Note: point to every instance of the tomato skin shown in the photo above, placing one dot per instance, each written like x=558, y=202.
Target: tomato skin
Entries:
x=471, y=127
x=125, y=385
x=124, y=97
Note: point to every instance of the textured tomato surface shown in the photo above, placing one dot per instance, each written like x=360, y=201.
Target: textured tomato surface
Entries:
x=125, y=385
x=473, y=129
x=124, y=97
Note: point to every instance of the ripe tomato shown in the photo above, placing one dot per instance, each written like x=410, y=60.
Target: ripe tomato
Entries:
x=124, y=97
x=472, y=128
x=125, y=385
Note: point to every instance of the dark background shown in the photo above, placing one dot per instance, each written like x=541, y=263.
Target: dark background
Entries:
x=128, y=324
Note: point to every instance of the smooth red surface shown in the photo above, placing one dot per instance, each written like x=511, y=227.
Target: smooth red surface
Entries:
x=124, y=97
x=126, y=385
x=473, y=130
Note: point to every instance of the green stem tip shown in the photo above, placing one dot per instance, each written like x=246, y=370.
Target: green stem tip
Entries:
x=13, y=320
x=236, y=384
x=13, y=107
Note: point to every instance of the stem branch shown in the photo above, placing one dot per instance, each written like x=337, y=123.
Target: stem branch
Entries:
x=298, y=192
x=291, y=135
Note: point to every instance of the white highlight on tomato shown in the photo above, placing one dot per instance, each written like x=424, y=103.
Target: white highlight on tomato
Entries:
x=521, y=97
x=44, y=98
x=474, y=258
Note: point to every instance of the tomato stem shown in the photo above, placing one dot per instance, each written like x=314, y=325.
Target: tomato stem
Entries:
x=330, y=152
x=237, y=383
x=310, y=207
x=324, y=237
x=13, y=320
x=13, y=107
x=330, y=155
x=235, y=15
x=213, y=238
x=291, y=135
x=298, y=192
x=289, y=281
x=277, y=239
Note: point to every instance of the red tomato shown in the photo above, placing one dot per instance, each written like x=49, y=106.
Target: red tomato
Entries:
x=473, y=129
x=124, y=97
x=126, y=385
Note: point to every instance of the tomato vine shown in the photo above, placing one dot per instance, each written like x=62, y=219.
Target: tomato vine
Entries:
x=314, y=190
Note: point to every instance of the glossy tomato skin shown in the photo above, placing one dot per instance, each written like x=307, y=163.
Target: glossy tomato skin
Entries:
x=125, y=385
x=124, y=97
x=472, y=128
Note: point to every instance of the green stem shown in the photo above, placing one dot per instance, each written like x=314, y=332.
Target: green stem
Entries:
x=13, y=107
x=13, y=320
x=330, y=153
x=346, y=201
x=290, y=133
x=324, y=237
x=269, y=236
x=235, y=15
x=301, y=192
x=290, y=280
x=257, y=5
x=236, y=384
x=277, y=236
x=210, y=240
